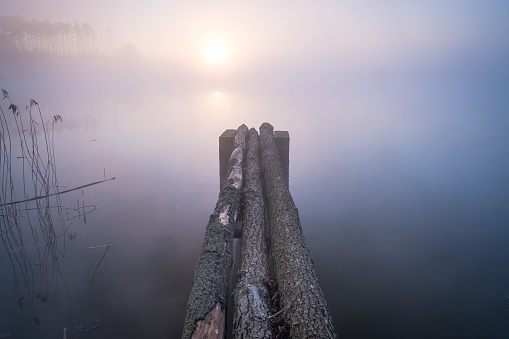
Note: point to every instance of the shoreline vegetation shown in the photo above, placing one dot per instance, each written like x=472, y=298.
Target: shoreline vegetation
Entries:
x=29, y=169
x=36, y=222
x=63, y=54
x=58, y=38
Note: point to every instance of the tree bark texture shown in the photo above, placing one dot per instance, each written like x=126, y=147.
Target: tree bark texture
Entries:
x=301, y=297
x=251, y=295
x=205, y=316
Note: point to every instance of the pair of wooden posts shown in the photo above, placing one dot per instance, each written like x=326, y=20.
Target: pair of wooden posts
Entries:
x=255, y=183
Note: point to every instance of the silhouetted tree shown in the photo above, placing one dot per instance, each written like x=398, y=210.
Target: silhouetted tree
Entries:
x=53, y=38
x=89, y=37
x=128, y=51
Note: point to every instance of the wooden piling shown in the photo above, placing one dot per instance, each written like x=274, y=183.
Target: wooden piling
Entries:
x=267, y=204
x=251, y=296
x=205, y=316
x=302, y=301
x=226, y=148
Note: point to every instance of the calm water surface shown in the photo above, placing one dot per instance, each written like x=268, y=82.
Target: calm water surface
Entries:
x=401, y=188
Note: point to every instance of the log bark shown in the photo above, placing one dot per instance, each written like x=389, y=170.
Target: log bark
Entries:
x=251, y=295
x=301, y=297
x=205, y=316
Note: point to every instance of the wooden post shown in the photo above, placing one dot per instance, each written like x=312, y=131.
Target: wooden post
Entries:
x=226, y=148
x=251, y=296
x=205, y=316
x=302, y=300
x=226, y=141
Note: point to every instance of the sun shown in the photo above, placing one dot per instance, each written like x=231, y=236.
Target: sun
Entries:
x=216, y=51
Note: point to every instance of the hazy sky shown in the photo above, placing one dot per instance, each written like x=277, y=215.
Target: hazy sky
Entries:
x=330, y=32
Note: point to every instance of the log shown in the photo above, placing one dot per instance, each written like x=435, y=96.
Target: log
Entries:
x=251, y=295
x=205, y=315
x=226, y=148
x=302, y=301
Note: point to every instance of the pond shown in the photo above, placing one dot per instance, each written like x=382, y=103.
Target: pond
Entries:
x=401, y=186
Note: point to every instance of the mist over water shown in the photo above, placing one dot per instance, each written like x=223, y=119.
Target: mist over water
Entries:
x=400, y=186
x=398, y=164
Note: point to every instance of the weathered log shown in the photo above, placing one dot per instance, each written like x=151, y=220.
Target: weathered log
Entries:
x=302, y=300
x=226, y=148
x=251, y=295
x=205, y=316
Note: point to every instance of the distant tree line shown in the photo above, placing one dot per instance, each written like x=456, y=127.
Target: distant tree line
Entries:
x=46, y=37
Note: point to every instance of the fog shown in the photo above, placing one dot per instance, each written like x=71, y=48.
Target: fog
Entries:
x=397, y=114
x=370, y=36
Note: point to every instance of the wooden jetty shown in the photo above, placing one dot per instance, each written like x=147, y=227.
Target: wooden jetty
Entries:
x=277, y=294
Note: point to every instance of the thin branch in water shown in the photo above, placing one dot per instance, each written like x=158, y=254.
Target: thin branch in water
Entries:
x=58, y=193
x=100, y=246
x=100, y=261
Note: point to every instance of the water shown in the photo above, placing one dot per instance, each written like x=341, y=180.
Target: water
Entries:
x=400, y=183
